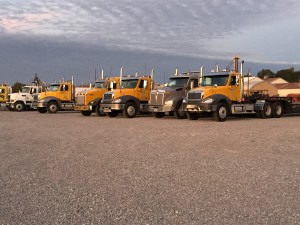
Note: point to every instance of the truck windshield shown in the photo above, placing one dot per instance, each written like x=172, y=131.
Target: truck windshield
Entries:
x=129, y=83
x=177, y=81
x=215, y=80
x=99, y=84
x=25, y=89
x=53, y=87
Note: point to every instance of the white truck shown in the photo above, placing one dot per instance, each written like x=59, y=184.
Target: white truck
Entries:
x=24, y=99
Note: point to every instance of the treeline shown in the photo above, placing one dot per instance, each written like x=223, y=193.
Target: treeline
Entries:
x=289, y=75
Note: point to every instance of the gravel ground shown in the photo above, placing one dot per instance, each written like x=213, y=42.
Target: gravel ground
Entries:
x=69, y=169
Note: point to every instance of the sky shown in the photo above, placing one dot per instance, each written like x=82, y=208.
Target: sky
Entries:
x=58, y=39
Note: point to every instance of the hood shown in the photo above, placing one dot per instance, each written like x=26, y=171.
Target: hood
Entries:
x=168, y=89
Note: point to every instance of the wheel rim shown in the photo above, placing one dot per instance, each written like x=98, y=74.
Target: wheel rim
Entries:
x=278, y=110
x=53, y=108
x=268, y=110
x=130, y=110
x=223, y=112
x=181, y=112
x=19, y=107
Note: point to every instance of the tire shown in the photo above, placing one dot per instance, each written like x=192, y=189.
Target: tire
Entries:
x=19, y=106
x=112, y=114
x=221, y=112
x=192, y=116
x=277, y=110
x=130, y=110
x=99, y=111
x=86, y=113
x=42, y=110
x=52, y=107
x=267, y=111
x=179, y=113
x=159, y=114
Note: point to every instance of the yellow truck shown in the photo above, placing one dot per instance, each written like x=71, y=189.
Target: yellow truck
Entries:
x=221, y=93
x=89, y=102
x=131, y=98
x=5, y=90
x=59, y=96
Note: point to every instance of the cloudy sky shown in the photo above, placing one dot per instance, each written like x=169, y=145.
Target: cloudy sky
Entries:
x=56, y=38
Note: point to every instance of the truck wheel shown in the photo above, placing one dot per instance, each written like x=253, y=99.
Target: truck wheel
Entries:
x=19, y=106
x=42, y=110
x=179, y=113
x=52, y=107
x=221, y=112
x=86, y=113
x=192, y=116
x=267, y=111
x=277, y=110
x=130, y=110
x=159, y=114
x=99, y=111
x=112, y=114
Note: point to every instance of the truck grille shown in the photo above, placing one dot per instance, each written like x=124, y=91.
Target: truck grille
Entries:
x=80, y=100
x=107, y=97
x=194, y=95
x=157, y=98
x=35, y=98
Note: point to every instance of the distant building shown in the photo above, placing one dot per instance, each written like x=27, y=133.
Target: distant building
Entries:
x=256, y=84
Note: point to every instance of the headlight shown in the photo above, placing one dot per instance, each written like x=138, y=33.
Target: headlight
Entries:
x=170, y=102
x=208, y=100
x=184, y=100
x=118, y=100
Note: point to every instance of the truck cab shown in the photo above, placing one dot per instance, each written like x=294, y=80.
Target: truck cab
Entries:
x=59, y=96
x=131, y=98
x=167, y=99
x=24, y=99
x=4, y=91
x=89, y=102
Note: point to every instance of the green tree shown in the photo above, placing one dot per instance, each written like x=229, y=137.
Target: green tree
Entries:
x=265, y=73
x=17, y=87
x=289, y=75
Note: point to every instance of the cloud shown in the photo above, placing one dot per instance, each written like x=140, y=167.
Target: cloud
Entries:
x=193, y=28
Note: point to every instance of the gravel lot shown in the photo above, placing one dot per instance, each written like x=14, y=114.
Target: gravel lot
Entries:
x=69, y=169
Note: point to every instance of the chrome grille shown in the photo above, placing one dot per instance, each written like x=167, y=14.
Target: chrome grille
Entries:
x=157, y=98
x=80, y=100
x=194, y=95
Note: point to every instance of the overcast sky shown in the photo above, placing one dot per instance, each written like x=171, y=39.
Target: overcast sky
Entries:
x=56, y=38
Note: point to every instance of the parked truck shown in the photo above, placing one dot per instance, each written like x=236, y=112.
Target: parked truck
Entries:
x=24, y=99
x=59, y=96
x=131, y=98
x=5, y=90
x=167, y=99
x=221, y=93
x=89, y=102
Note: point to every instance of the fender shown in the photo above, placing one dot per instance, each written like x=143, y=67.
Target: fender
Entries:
x=217, y=98
x=50, y=99
x=127, y=98
x=96, y=101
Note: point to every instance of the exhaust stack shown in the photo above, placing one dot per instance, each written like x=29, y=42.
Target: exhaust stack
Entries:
x=201, y=75
x=236, y=63
x=176, y=72
x=242, y=82
x=217, y=67
x=102, y=74
x=152, y=74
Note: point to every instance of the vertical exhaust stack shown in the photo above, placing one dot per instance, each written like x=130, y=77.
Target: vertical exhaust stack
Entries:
x=72, y=88
x=152, y=74
x=242, y=82
x=136, y=74
x=236, y=63
x=201, y=75
x=102, y=74
x=217, y=67
x=176, y=72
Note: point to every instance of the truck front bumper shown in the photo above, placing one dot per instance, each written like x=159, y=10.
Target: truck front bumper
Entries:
x=198, y=107
x=10, y=105
x=160, y=108
x=106, y=107
x=42, y=104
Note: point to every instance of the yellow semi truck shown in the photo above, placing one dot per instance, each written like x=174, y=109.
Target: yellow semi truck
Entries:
x=131, y=98
x=5, y=90
x=221, y=93
x=89, y=102
x=59, y=96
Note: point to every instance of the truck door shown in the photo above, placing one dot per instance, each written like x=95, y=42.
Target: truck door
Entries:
x=143, y=92
x=65, y=93
x=234, y=89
